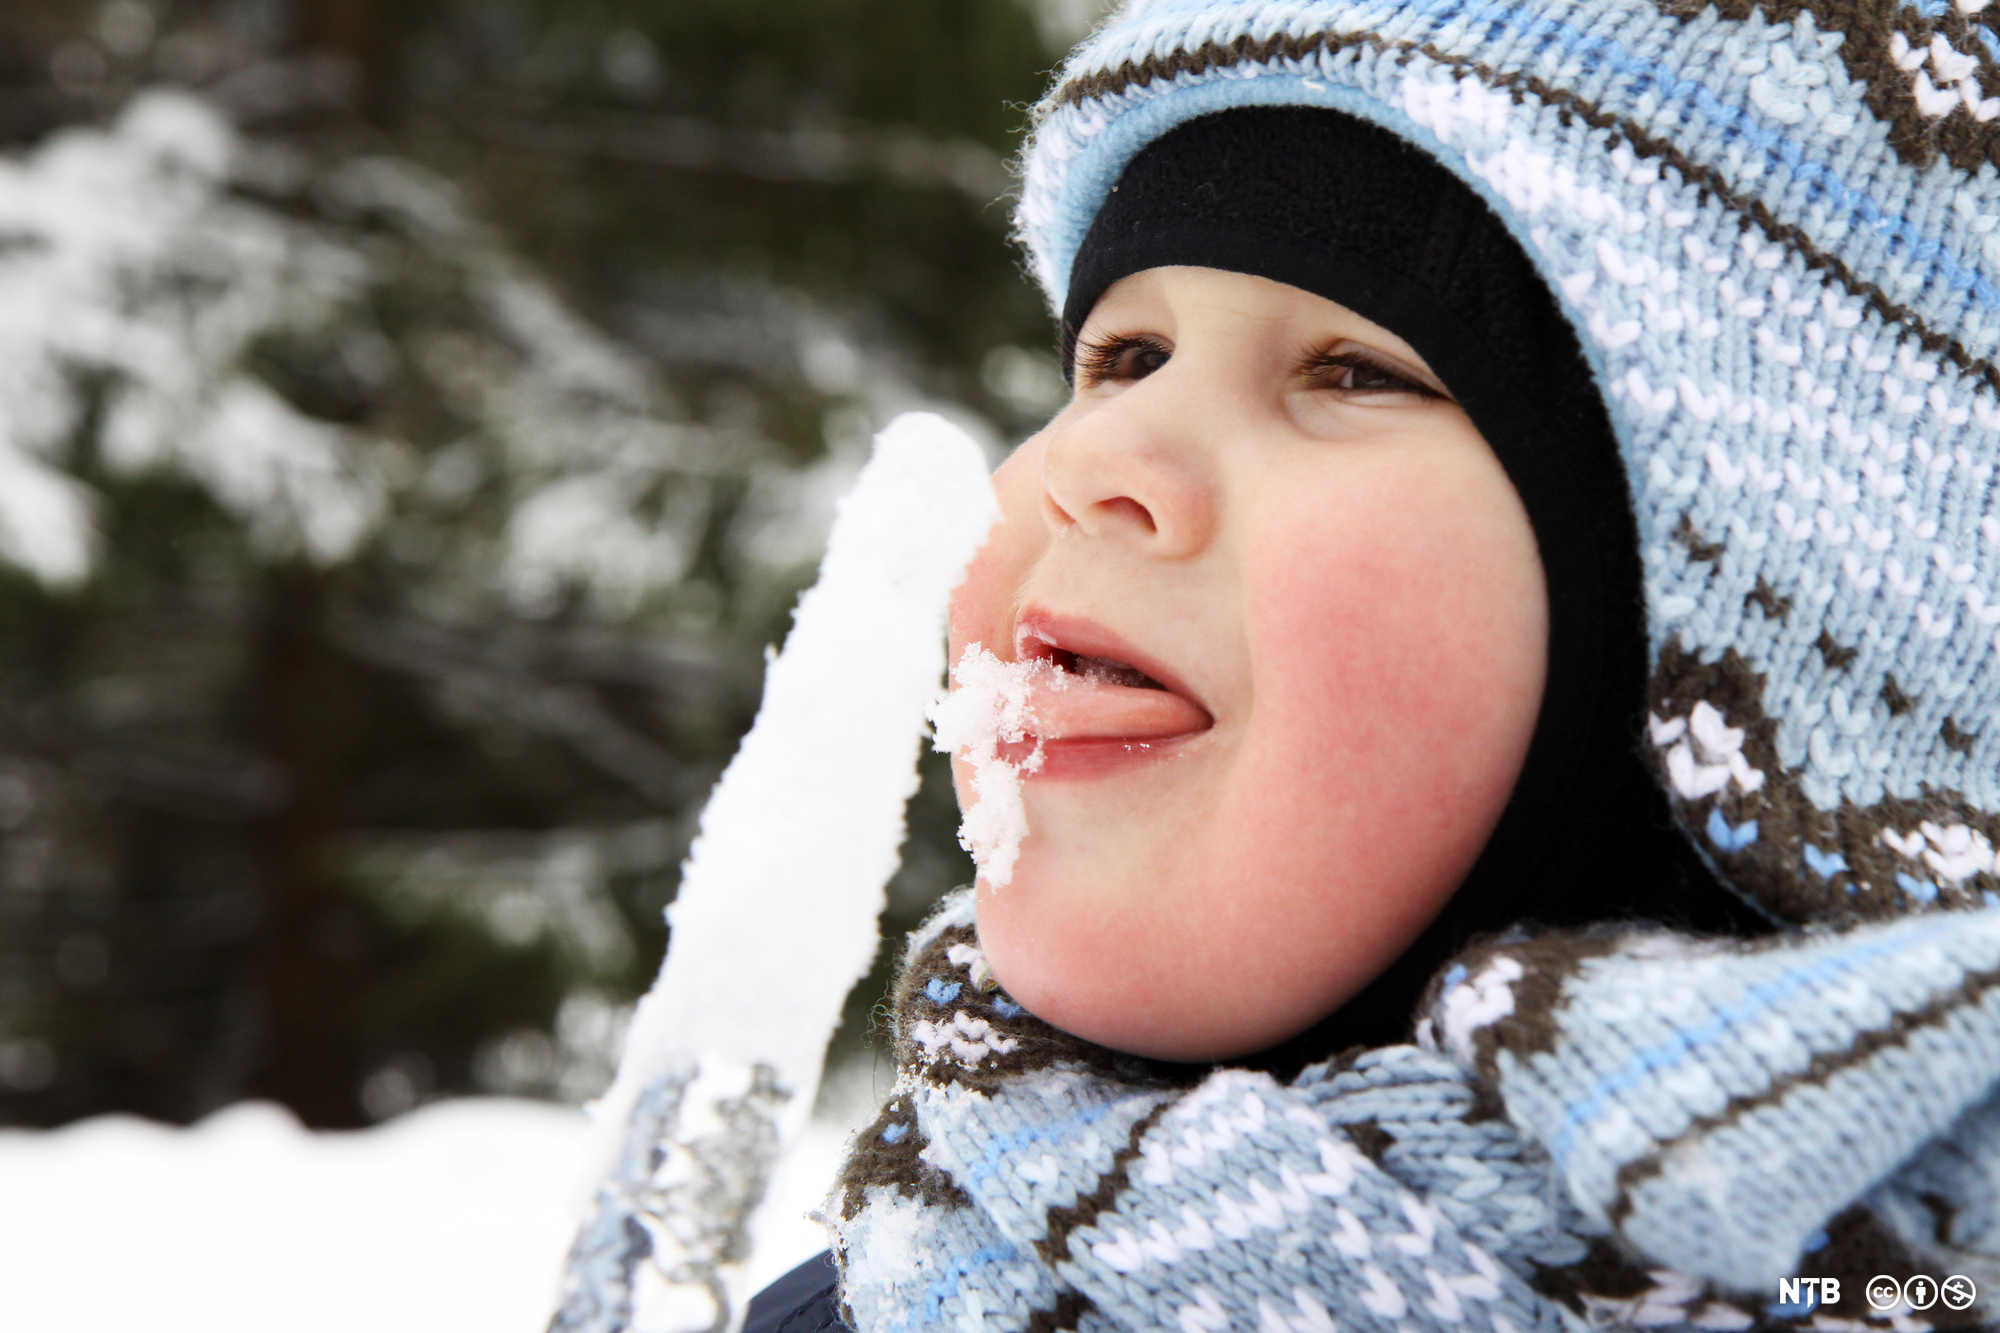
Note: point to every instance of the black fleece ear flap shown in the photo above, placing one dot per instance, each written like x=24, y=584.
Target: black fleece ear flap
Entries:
x=1343, y=209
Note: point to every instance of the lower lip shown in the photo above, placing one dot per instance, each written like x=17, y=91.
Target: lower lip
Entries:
x=1091, y=756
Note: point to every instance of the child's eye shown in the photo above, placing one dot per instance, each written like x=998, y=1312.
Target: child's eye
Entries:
x=1351, y=371
x=1119, y=360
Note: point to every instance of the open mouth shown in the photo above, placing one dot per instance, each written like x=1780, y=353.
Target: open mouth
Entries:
x=1103, y=670
x=1105, y=700
x=1089, y=652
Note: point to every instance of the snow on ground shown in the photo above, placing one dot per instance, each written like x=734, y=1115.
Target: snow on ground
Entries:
x=454, y=1217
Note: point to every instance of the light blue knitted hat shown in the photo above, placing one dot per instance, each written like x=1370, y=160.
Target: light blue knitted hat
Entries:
x=1775, y=226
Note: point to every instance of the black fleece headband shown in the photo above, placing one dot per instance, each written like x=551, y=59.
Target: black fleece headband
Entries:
x=1345, y=210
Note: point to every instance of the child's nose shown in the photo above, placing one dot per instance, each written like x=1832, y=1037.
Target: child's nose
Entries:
x=1123, y=473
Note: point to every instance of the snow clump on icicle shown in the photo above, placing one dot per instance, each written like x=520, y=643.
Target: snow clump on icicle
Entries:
x=990, y=704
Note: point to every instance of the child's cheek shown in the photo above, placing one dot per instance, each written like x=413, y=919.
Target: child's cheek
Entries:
x=1398, y=648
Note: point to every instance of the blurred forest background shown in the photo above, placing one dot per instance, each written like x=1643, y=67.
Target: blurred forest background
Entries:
x=415, y=421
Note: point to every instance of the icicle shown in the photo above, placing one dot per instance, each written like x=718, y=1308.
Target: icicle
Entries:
x=775, y=919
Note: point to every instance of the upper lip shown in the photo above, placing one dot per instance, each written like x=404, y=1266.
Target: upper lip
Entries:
x=1040, y=634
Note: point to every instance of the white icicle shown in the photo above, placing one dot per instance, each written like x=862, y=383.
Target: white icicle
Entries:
x=775, y=919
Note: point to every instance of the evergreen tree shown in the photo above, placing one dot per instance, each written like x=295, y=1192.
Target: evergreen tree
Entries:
x=415, y=421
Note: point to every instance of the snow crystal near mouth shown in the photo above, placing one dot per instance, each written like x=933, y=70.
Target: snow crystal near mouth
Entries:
x=990, y=704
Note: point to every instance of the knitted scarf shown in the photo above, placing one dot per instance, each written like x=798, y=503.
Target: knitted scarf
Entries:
x=1622, y=1128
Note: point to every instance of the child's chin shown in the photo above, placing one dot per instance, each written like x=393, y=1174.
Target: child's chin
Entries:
x=1108, y=991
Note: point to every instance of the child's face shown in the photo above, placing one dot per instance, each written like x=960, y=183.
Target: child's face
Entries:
x=1264, y=503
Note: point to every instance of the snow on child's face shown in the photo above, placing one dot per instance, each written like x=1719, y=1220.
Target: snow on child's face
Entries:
x=1279, y=634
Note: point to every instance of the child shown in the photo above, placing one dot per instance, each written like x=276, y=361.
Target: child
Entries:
x=1528, y=478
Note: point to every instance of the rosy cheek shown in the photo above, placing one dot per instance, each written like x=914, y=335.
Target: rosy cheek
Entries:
x=1398, y=675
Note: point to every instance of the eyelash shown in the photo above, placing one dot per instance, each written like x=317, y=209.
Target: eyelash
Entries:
x=1357, y=363
x=1105, y=362
x=1109, y=362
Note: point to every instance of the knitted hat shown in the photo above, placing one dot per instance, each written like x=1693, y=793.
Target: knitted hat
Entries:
x=1772, y=229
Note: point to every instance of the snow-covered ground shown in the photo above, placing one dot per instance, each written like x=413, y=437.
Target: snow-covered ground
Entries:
x=454, y=1217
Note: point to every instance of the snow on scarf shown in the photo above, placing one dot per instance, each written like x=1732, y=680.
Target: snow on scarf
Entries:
x=1615, y=1129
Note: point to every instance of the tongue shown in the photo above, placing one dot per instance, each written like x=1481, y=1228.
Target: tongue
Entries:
x=1069, y=707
